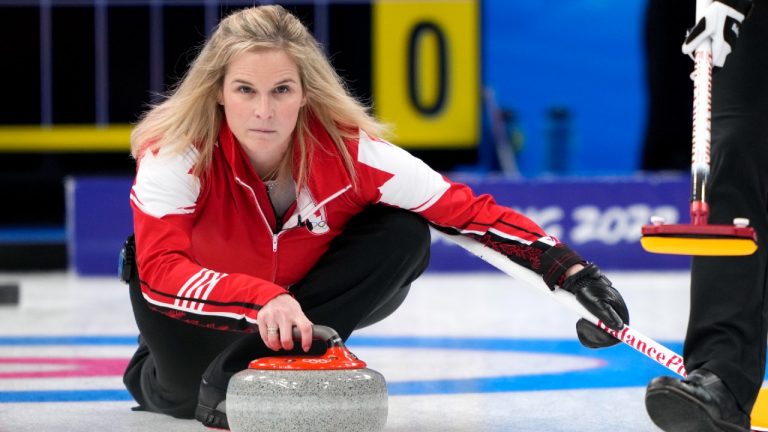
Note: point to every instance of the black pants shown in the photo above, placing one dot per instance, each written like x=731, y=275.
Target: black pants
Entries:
x=363, y=278
x=727, y=324
x=667, y=141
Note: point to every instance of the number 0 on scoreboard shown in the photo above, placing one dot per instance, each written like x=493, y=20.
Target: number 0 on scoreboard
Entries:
x=425, y=72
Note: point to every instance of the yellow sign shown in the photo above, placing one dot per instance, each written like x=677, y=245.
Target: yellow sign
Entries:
x=65, y=138
x=425, y=72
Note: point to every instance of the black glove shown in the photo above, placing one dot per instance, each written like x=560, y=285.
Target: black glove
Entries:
x=596, y=293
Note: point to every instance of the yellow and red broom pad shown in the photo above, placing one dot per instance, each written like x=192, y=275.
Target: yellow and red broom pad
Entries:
x=760, y=411
x=708, y=240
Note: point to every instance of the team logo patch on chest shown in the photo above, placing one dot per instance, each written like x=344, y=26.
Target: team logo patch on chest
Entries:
x=311, y=215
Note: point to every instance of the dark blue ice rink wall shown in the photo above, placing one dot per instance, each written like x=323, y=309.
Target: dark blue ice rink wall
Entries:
x=98, y=221
x=582, y=55
x=599, y=217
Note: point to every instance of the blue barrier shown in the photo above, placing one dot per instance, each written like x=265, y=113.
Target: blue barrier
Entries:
x=98, y=221
x=600, y=218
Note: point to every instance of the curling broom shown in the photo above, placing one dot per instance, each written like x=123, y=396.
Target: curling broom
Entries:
x=638, y=341
x=699, y=237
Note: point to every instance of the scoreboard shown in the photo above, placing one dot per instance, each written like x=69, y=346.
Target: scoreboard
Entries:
x=83, y=71
x=425, y=73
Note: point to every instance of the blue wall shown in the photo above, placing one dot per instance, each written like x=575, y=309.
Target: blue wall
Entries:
x=586, y=55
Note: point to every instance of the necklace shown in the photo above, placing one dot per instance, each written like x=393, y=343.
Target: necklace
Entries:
x=271, y=184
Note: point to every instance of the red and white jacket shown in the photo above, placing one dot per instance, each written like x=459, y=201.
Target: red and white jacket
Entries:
x=207, y=248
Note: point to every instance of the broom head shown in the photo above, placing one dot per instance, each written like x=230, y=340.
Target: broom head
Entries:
x=707, y=240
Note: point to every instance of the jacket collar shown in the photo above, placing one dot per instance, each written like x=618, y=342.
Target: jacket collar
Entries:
x=327, y=172
x=236, y=157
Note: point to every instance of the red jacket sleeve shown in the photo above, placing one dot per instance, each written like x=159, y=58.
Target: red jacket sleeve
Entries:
x=164, y=198
x=392, y=176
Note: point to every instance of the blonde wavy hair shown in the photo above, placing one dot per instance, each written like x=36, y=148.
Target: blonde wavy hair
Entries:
x=190, y=115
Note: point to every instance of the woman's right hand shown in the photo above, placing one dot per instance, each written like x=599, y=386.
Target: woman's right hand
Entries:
x=277, y=319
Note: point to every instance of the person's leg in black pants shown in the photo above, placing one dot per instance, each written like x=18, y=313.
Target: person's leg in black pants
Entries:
x=727, y=325
x=164, y=373
x=725, y=345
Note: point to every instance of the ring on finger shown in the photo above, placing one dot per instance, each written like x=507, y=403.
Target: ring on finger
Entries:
x=272, y=330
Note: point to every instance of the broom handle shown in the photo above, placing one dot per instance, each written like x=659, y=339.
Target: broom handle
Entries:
x=629, y=336
x=702, y=120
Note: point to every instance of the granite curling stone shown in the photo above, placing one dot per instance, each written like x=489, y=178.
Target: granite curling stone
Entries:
x=333, y=392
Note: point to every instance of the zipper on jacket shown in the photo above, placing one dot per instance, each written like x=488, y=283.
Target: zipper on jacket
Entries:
x=266, y=223
x=279, y=224
x=278, y=219
x=274, y=252
x=256, y=201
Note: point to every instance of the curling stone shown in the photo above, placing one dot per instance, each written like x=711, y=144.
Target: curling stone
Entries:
x=332, y=392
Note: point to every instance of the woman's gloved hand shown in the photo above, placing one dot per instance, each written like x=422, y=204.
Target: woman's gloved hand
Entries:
x=596, y=293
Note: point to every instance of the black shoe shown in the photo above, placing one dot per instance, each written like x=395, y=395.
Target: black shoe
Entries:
x=699, y=403
x=211, y=408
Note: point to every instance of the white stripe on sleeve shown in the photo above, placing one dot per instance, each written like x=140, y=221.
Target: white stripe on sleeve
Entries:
x=414, y=185
x=165, y=184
